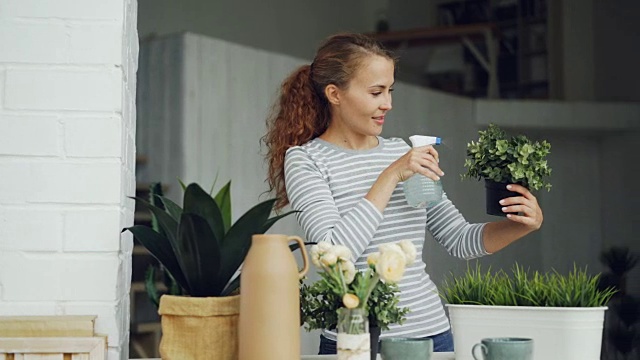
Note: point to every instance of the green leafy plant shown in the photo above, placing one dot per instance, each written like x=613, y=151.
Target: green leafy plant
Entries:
x=524, y=288
x=197, y=245
x=518, y=160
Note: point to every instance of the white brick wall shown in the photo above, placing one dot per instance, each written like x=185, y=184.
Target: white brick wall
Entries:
x=67, y=158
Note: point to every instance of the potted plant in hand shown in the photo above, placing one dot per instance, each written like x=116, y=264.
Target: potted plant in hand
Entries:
x=563, y=314
x=355, y=303
x=501, y=160
x=201, y=249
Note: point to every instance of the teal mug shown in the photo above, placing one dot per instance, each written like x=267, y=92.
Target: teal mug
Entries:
x=406, y=349
x=504, y=349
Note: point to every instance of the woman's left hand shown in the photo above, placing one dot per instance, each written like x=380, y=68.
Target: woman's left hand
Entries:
x=526, y=209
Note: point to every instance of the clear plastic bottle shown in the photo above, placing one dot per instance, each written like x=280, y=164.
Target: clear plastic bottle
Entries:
x=419, y=190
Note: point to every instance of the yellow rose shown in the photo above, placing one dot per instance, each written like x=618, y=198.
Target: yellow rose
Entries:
x=350, y=301
x=391, y=265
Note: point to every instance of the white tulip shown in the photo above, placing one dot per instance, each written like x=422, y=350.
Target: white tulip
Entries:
x=391, y=266
x=409, y=250
x=348, y=271
x=390, y=247
x=324, y=246
x=329, y=259
x=372, y=259
x=315, y=255
x=342, y=252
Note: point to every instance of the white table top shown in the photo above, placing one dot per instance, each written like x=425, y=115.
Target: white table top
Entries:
x=435, y=356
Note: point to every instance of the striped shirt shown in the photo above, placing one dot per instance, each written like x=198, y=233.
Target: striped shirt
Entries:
x=328, y=184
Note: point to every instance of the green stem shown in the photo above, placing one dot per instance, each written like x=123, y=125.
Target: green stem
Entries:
x=372, y=285
x=342, y=282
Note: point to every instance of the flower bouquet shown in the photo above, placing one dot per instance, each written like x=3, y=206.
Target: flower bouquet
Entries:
x=350, y=301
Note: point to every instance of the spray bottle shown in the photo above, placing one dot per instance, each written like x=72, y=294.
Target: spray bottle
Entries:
x=419, y=190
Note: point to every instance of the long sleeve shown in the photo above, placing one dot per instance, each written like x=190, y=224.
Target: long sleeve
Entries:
x=449, y=227
x=309, y=193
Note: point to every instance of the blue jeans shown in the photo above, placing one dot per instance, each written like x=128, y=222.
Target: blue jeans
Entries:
x=442, y=342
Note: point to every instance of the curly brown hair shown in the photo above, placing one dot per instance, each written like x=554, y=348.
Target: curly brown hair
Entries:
x=302, y=112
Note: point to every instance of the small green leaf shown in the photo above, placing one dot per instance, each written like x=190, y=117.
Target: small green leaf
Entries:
x=150, y=285
x=223, y=199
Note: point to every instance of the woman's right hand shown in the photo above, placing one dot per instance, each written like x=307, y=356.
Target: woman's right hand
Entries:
x=421, y=160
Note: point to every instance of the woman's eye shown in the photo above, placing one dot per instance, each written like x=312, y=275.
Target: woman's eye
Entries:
x=376, y=93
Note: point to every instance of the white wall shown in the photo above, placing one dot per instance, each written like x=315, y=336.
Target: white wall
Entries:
x=285, y=26
x=67, y=153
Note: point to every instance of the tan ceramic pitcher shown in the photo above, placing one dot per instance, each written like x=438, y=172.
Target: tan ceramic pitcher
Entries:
x=269, y=326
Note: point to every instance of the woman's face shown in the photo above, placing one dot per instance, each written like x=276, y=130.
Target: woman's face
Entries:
x=364, y=103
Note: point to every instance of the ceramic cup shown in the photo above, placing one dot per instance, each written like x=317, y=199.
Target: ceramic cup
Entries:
x=406, y=349
x=504, y=349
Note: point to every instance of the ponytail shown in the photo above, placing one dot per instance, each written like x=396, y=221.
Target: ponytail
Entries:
x=298, y=116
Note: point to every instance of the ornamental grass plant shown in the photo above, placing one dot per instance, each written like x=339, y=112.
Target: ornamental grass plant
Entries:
x=525, y=288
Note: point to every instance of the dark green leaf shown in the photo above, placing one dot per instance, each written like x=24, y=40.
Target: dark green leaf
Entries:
x=201, y=255
x=238, y=240
x=161, y=248
x=233, y=286
x=269, y=223
x=168, y=225
x=198, y=202
x=155, y=189
x=150, y=285
x=172, y=208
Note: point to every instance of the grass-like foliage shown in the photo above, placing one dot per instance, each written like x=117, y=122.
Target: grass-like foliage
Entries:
x=525, y=288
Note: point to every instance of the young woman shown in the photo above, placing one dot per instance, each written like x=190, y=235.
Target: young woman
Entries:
x=327, y=159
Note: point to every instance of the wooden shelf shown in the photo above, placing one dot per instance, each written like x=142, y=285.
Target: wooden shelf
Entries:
x=433, y=35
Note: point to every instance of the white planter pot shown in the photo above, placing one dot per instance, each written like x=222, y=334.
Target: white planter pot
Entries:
x=557, y=333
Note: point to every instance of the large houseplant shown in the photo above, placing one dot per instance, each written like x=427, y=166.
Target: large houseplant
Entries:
x=200, y=247
x=564, y=314
x=502, y=160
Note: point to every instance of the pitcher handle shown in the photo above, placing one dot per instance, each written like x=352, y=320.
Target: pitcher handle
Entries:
x=484, y=349
x=305, y=266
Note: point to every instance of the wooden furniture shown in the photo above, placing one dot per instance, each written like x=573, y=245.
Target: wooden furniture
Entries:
x=468, y=35
x=47, y=348
x=50, y=338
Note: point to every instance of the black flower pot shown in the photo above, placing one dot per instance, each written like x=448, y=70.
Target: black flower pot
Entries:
x=374, y=339
x=495, y=192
